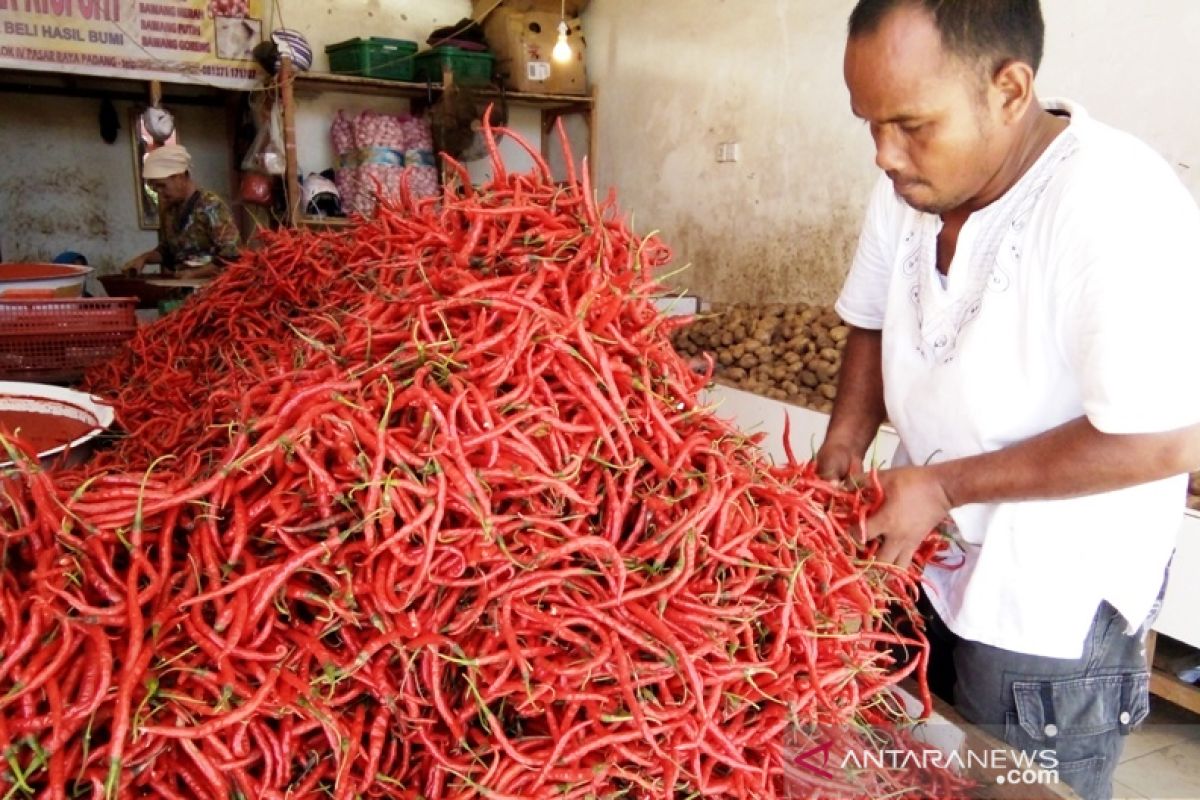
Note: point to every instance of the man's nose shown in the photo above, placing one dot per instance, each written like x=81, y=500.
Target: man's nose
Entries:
x=889, y=154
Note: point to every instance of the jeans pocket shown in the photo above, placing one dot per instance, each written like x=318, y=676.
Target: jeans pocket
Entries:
x=1077, y=725
x=1082, y=707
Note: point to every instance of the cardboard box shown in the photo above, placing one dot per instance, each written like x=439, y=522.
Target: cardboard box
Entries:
x=522, y=43
x=572, y=8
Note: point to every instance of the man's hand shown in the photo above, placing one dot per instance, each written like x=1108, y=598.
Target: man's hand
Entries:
x=837, y=461
x=134, y=266
x=914, y=503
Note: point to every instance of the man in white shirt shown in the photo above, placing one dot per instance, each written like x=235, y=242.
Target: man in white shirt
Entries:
x=1021, y=302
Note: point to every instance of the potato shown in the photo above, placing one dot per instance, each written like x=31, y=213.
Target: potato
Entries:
x=787, y=352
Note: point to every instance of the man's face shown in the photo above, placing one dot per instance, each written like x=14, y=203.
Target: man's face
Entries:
x=936, y=132
x=170, y=190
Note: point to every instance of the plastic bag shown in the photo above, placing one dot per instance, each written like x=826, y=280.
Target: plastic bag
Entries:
x=266, y=153
x=255, y=188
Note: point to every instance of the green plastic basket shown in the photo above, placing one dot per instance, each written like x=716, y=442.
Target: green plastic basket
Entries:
x=468, y=68
x=392, y=59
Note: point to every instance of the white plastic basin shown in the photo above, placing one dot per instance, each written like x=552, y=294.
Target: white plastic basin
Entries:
x=19, y=281
x=54, y=400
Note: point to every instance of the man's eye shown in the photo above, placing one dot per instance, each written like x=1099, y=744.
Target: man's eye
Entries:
x=912, y=127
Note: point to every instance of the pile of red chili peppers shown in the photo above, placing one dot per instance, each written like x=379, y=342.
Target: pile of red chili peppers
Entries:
x=430, y=508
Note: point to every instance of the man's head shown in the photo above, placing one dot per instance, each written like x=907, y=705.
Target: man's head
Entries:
x=167, y=172
x=946, y=86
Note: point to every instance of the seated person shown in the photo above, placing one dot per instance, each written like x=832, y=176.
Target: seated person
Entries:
x=197, y=235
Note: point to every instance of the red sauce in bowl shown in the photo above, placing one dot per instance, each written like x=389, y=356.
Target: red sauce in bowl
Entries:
x=43, y=431
x=28, y=272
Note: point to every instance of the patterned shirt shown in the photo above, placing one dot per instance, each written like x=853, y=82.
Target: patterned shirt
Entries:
x=200, y=226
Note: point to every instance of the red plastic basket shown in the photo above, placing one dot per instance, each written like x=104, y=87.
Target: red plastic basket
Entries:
x=56, y=340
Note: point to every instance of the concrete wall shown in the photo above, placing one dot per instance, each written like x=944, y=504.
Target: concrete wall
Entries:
x=338, y=20
x=63, y=188
x=678, y=77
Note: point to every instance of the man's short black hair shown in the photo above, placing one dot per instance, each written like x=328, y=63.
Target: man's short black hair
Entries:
x=990, y=32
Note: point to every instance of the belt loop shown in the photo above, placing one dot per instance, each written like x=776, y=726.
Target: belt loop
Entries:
x=1123, y=715
x=1051, y=727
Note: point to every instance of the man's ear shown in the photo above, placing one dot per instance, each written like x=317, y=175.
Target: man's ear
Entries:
x=1012, y=88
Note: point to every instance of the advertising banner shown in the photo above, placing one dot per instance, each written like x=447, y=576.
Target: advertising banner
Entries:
x=182, y=41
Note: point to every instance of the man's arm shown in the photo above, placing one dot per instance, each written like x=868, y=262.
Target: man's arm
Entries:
x=858, y=409
x=226, y=242
x=1071, y=460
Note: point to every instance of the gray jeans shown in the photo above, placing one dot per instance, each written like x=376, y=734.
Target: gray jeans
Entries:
x=1081, y=709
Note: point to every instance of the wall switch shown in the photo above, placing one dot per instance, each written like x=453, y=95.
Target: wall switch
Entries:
x=728, y=152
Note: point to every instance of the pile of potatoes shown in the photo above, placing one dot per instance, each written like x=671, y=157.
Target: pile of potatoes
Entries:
x=790, y=353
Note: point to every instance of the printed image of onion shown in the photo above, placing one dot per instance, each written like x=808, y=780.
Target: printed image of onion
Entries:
x=228, y=8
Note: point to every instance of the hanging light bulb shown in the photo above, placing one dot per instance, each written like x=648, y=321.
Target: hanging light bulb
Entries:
x=562, y=48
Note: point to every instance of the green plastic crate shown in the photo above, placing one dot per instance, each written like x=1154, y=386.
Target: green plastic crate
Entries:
x=469, y=68
x=392, y=59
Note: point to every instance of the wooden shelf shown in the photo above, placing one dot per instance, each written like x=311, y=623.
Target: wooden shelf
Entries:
x=328, y=82
x=1162, y=654
x=288, y=83
x=1169, y=687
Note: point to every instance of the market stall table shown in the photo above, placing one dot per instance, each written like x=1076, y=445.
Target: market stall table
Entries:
x=188, y=284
